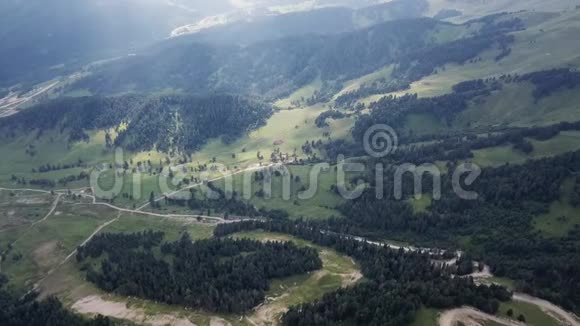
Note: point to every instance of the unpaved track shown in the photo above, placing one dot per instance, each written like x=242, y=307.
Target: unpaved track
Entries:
x=551, y=309
x=249, y=169
x=94, y=304
x=52, y=209
x=471, y=317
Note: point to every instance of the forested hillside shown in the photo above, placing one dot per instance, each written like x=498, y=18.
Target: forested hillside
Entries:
x=167, y=123
x=276, y=68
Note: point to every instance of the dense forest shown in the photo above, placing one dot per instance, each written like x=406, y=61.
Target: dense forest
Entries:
x=498, y=225
x=218, y=275
x=181, y=123
x=397, y=283
x=274, y=69
x=27, y=310
x=547, y=82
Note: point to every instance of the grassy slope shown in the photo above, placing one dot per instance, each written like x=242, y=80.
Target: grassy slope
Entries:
x=426, y=317
x=548, y=42
x=533, y=314
x=423, y=124
x=292, y=127
x=300, y=95
x=421, y=205
x=46, y=244
x=562, y=217
x=495, y=156
x=321, y=205
x=515, y=106
x=355, y=84
x=475, y=9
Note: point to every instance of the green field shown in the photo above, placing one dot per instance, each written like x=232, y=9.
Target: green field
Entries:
x=471, y=10
x=422, y=204
x=423, y=124
x=514, y=105
x=300, y=95
x=286, y=129
x=562, y=217
x=320, y=203
x=45, y=245
x=355, y=84
x=495, y=156
x=548, y=42
x=172, y=228
x=533, y=314
x=426, y=317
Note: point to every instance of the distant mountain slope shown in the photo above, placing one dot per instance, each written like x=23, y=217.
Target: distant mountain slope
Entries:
x=470, y=9
x=276, y=68
x=41, y=38
x=243, y=27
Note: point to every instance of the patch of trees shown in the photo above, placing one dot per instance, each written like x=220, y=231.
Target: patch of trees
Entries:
x=219, y=275
x=28, y=310
x=47, y=183
x=549, y=81
x=382, y=86
x=321, y=120
x=56, y=167
x=398, y=283
x=176, y=122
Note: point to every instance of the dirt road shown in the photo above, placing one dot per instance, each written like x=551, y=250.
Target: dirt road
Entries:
x=566, y=318
x=471, y=317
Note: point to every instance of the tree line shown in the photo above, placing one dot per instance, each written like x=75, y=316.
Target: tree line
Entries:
x=181, y=123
